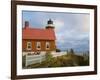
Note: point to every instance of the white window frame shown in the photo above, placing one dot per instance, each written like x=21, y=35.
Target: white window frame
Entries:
x=38, y=44
x=47, y=43
x=29, y=44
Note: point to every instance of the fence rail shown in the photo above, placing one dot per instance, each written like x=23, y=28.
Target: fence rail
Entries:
x=32, y=59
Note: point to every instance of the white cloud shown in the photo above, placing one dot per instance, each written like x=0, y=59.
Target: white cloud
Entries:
x=59, y=25
x=82, y=25
x=72, y=30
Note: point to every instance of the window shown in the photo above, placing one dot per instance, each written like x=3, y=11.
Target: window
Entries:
x=47, y=45
x=29, y=45
x=38, y=45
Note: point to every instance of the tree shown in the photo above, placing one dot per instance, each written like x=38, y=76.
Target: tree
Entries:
x=71, y=50
x=48, y=58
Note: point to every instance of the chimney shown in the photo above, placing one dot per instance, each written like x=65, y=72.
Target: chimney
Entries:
x=26, y=24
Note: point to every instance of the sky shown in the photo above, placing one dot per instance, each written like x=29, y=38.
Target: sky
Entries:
x=72, y=29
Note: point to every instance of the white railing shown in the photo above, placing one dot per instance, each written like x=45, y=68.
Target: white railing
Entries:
x=32, y=59
x=55, y=54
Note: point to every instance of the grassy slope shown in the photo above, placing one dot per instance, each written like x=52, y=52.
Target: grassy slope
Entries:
x=61, y=61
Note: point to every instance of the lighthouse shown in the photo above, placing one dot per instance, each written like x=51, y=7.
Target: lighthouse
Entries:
x=50, y=24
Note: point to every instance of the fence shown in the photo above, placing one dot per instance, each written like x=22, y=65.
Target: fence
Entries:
x=55, y=54
x=32, y=59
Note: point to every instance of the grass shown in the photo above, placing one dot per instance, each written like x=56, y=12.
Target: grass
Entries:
x=61, y=61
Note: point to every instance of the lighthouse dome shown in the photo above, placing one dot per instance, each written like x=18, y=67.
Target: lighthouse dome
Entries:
x=50, y=21
x=50, y=24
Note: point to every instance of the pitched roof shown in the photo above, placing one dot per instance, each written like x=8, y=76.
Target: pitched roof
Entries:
x=38, y=34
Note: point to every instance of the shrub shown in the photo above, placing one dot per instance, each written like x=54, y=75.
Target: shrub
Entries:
x=48, y=58
x=62, y=61
x=58, y=50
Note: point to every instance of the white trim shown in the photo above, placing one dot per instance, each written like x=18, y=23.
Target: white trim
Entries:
x=38, y=43
x=47, y=43
x=29, y=44
x=50, y=25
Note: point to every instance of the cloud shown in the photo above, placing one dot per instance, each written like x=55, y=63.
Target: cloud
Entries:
x=72, y=29
x=59, y=25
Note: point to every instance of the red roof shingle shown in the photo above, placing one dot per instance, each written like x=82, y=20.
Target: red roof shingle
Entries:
x=38, y=34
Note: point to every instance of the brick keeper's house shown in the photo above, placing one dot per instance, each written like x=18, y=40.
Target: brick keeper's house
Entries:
x=37, y=40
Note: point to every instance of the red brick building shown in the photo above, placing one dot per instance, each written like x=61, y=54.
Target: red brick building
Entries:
x=36, y=40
